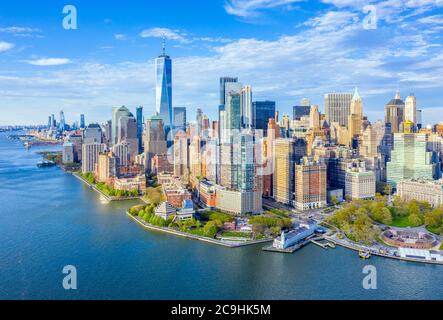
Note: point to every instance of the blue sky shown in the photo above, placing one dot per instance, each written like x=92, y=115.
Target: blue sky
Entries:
x=285, y=49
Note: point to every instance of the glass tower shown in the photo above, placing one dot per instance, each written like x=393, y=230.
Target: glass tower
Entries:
x=163, y=106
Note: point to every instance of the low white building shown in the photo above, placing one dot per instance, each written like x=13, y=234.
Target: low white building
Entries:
x=187, y=211
x=430, y=191
x=360, y=184
x=165, y=210
x=421, y=254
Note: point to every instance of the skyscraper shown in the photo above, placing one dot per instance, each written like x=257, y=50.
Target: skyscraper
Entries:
x=411, y=109
x=62, y=124
x=310, y=186
x=223, y=82
x=394, y=113
x=263, y=111
x=411, y=159
x=127, y=132
x=181, y=156
x=179, y=118
x=300, y=111
x=117, y=113
x=90, y=153
x=154, y=140
x=355, y=118
x=232, y=116
x=338, y=108
x=82, y=121
x=140, y=128
x=199, y=119
x=284, y=165
x=92, y=134
x=163, y=106
x=246, y=109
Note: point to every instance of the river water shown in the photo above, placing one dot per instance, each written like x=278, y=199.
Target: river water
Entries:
x=49, y=219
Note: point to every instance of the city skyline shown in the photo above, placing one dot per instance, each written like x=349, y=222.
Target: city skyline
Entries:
x=305, y=49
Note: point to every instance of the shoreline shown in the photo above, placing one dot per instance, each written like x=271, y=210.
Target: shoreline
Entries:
x=356, y=248
x=195, y=237
x=348, y=246
x=108, y=198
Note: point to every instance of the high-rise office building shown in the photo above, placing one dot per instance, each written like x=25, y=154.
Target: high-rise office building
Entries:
x=90, y=153
x=181, y=156
x=419, y=119
x=223, y=82
x=139, y=113
x=245, y=160
x=82, y=121
x=68, y=152
x=93, y=134
x=107, y=167
x=53, y=122
x=310, y=185
x=411, y=159
x=122, y=153
x=284, y=165
x=199, y=120
x=300, y=111
x=246, y=107
x=127, y=131
x=62, y=124
x=360, y=183
x=232, y=116
x=355, y=118
x=154, y=140
x=338, y=108
x=49, y=122
x=369, y=143
x=180, y=118
x=394, y=113
x=263, y=111
x=411, y=109
x=117, y=113
x=163, y=106
x=314, y=118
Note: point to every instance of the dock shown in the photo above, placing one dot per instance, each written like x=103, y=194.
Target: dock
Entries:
x=290, y=249
x=326, y=245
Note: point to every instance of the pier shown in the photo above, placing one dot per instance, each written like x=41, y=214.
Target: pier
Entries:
x=326, y=245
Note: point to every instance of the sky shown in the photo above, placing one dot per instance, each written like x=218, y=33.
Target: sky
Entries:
x=284, y=49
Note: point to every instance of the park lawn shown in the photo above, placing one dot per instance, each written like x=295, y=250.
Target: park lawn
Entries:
x=233, y=234
x=401, y=222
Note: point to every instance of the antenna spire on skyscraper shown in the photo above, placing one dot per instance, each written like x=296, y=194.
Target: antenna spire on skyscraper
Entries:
x=164, y=45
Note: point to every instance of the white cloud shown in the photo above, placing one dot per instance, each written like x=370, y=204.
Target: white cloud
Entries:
x=15, y=29
x=169, y=34
x=437, y=19
x=22, y=31
x=49, y=62
x=120, y=36
x=5, y=46
x=249, y=8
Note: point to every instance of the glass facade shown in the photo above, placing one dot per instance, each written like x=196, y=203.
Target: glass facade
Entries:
x=410, y=159
x=262, y=112
x=164, y=89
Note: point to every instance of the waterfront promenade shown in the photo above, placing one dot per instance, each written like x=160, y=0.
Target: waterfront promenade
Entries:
x=105, y=196
x=227, y=244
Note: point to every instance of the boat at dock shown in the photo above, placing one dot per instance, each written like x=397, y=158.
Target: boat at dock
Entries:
x=364, y=255
x=46, y=164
